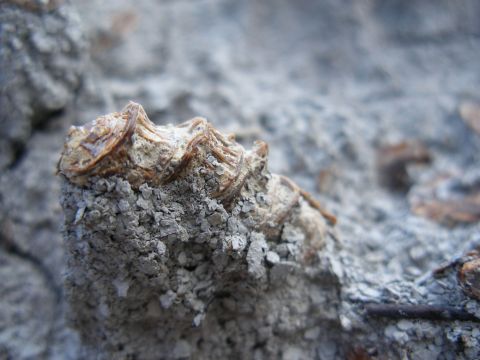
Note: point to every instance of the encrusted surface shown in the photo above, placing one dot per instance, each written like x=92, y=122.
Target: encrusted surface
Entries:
x=165, y=269
x=326, y=83
x=157, y=258
x=129, y=145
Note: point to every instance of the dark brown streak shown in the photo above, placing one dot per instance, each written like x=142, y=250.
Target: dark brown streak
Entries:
x=232, y=180
x=228, y=199
x=219, y=136
x=311, y=201
x=315, y=204
x=228, y=151
x=219, y=156
x=190, y=152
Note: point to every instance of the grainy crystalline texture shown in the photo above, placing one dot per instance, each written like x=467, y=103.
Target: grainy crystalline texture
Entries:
x=182, y=244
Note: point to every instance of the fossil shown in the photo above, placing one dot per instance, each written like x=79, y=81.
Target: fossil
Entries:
x=163, y=223
x=128, y=144
x=131, y=146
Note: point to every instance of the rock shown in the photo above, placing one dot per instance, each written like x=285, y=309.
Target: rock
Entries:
x=44, y=52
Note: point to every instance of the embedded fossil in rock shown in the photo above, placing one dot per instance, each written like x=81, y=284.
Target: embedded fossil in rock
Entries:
x=129, y=145
x=180, y=225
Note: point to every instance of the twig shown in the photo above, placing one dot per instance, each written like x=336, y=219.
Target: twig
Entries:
x=427, y=312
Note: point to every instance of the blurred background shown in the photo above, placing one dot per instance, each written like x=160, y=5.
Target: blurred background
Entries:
x=367, y=104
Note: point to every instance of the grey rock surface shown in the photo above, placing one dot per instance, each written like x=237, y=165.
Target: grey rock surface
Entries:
x=159, y=280
x=25, y=333
x=42, y=57
x=325, y=84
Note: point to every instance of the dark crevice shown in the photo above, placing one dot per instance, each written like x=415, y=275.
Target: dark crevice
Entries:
x=14, y=249
x=41, y=122
x=18, y=151
x=190, y=267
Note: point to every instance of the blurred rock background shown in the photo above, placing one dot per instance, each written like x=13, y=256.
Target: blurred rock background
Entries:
x=326, y=83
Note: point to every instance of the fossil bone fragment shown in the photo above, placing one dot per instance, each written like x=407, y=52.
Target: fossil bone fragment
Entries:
x=173, y=226
x=130, y=145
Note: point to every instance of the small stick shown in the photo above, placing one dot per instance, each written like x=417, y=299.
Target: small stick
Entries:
x=426, y=312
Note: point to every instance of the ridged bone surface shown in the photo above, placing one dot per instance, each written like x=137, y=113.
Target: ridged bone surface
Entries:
x=129, y=145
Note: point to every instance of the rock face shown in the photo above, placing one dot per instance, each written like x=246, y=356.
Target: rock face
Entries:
x=329, y=85
x=43, y=52
x=28, y=332
x=206, y=253
x=181, y=244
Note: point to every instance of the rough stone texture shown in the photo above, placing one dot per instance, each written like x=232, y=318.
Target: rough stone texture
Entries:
x=169, y=272
x=325, y=84
x=30, y=225
x=169, y=269
x=42, y=55
x=25, y=333
x=160, y=278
